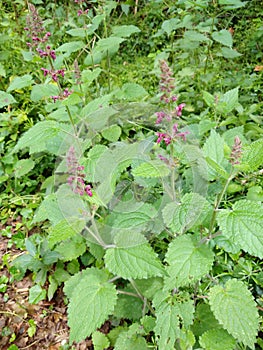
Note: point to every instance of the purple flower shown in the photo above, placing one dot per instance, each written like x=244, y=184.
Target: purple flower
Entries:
x=76, y=178
x=179, y=109
x=45, y=71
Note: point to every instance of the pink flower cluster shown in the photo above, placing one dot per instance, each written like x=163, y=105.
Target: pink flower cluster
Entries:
x=76, y=179
x=53, y=73
x=170, y=111
x=236, y=152
x=64, y=95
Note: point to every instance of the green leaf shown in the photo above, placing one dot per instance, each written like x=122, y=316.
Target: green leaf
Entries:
x=243, y=226
x=234, y=308
x=80, y=32
x=214, y=150
x=46, y=136
x=20, y=82
x=23, y=167
x=70, y=47
x=131, y=339
x=91, y=302
x=36, y=294
x=88, y=76
x=188, y=261
x=229, y=53
x=192, y=35
x=6, y=99
x=228, y=101
x=135, y=262
x=209, y=99
x=204, y=320
x=112, y=133
x=232, y=4
x=132, y=92
x=223, y=37
x=191, y=211
x=171, y=314
x=124, y=31
x=128, y=306
x=110, y=44
x=65, y=229
x=252, y=156
x=43, y=90
x=72, y=248
x=217, y=339
x=170, y=25
x=100, y=341
x=152, y=168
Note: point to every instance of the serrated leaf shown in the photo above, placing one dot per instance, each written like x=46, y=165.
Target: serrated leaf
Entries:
x=88, y=76
x=80, y=32
x=223, y=37
x=70, y=47
x=110, y=44
x=128, y=306
x=112, y=133
x=40, y=137
x=172, y=313
x=48, y=209
x=234, y=308
x=217, y=168
x=204, y=320
x=20, y=82
x=243, y=226
x=124, y=31
x=192, y=35
x=209, y=99
x=170, y=25
x=100, y=341
x=188, y=261
x=91, y=303
x=72, y=248
x=217, y=339
x=253, y=155
x=153, y=168
x=214, y=150
x=65, y=229
x=232, y=4
x=23, y=166
x=228, y=101
x=132, y=92
x=6, y=99
x=131, y=339
x=43, y=90
x=229, y=53
x=134, y=262
x=191, y=211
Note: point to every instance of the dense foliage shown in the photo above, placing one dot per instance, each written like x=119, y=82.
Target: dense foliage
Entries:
x=132, y=152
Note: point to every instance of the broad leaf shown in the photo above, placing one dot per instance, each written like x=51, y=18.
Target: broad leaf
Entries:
x=153, y=168
x=229, y=53
x=6, y=99
x=243, y=226
x=70, y=47
x=20, y=82
x=188, y=261
x=131, y=339
x=72, y=248
x=214, y=149
x=132, y=92
x=235, y=309
x=43, y=90
x=217, y=339
x=191, y=211
x=228, y=101
x=172, y=313
x=23, y=167
x=134, y=262
x=125, y=31
x=253, y=155
x=232, y=4
x=100, y=341
x=65, y=229
x=91, y=302
x=192, y=35
x=170, y=25
x=112, y=133
x=223, y=37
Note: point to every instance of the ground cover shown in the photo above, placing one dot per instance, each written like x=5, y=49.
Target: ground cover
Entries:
x=131, y=175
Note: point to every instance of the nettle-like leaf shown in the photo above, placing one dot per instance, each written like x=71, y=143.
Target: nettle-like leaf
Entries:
x=243, y=226
x=90, y=303
x=125, y=30
x=131, y=339
x=172, y=313
x=152, y=168
x=23, y=167
x=191, y=211
x=65, y=229
x=228, y=101
x=112, y=133
x=204, y=320
x=6, y=99
x=20, y=82
x=217, y=339
x=43, y=136
x=71, y=248
x=234, y=308
x=223, y=37
x=135, y=262
x=214, y=150
x=188, y=261
x=252, y=157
